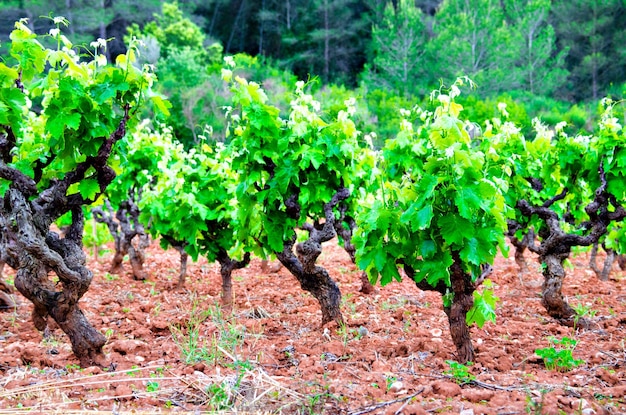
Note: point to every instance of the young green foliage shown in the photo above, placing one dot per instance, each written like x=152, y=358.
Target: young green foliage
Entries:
x=566, y=191
x=560, y=356
x=435, y=198
x=190, y=201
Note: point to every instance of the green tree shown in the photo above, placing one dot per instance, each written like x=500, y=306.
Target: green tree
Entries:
x=439, y=213
x=187, y=67
x=172, y=29
x=89, y=19
x=539, y=67
x=398, y=44
x=588, y=31
x=472, y=39
x=298, y=172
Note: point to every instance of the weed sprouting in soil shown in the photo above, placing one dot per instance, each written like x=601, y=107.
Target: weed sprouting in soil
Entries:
x=560, y=356
x=195, y=347
x=459, y=372
x=583, y=311
x=535, y=406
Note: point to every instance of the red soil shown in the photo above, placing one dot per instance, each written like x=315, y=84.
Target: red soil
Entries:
x=389, y=359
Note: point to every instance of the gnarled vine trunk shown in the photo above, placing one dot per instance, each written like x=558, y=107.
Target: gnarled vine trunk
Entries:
x=344, y=226
x=602, y=274
x=129, y=235
x=313, y=278
x=552, y=297
x=227, y=266
x=520, y=245
x=556, y=244
x=184, y=257
x=463, y=300
x=463, y=289
x=7, y=302
x=39, y=251
x=621, y=261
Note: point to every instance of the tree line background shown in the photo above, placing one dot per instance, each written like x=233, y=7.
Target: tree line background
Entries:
x=540, y=56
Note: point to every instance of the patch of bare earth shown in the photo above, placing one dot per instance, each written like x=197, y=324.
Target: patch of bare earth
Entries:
x=273, y=357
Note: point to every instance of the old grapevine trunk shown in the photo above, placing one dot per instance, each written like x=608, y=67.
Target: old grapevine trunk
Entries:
x=6, y=298
x=463, y=289
x=313, y=278
x=184, y=257
x=602, y=274
x=463, y=300
x=129, y=236
x=227, y=266
x=40, y=251
x=553, y=275
x=344, y=226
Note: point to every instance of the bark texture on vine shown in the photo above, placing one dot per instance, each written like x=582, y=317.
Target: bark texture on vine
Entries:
x=463, y=289
x=345, y=226
x=602, y=274
x=556, y=244
x=7, y=300
x=302, y=263
x=184, y=258
x=129, y=235
x=27, y=213
x=520, y=245
x=227, y=266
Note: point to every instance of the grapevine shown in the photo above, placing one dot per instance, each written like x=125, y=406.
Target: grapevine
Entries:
x=439, y=215
x=295, y=174
x=55, y=158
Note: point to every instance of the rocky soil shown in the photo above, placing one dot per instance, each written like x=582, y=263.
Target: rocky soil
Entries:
x=173, y=350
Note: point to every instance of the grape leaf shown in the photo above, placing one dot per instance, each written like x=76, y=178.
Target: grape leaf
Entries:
x=89, y=188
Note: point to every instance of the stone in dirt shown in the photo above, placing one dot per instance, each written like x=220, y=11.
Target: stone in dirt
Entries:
x=477, y=395
x=447, y=389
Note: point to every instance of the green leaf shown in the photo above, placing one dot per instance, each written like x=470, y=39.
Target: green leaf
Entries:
x=428, y=249
x=427, y=185
x=435, y=270
x=89, y=188
x=72, y=121
x=467, y=201
x=274, y=235
x=445, y=131
x=389, y=273
x=419, y=220
x=475, y=252
x=484, y=308
x=162, y=105
x=455, y=229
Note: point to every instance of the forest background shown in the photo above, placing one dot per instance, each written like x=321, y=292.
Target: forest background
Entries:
x=549, y=59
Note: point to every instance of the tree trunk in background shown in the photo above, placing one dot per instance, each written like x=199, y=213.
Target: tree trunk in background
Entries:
x=137, y=256
x=344, y=226
x=462, y=302
x=227, y=266
x=602, y=274
x=621, y=260
x=552, y=296
x=183, y=266
x=326, y=43
x=235, y=26
x=124, y=227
